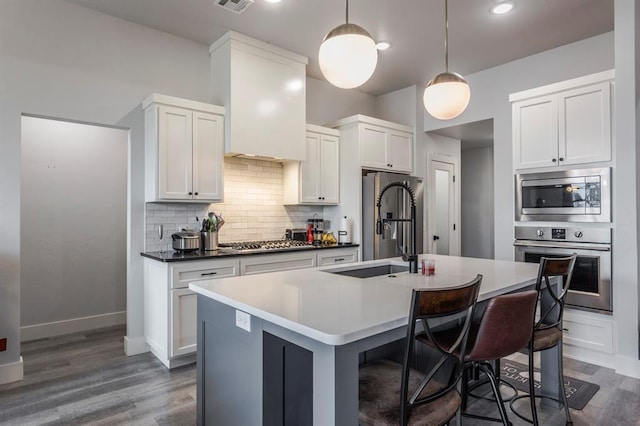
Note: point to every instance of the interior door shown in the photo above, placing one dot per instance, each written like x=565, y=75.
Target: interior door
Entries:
x=442, y=211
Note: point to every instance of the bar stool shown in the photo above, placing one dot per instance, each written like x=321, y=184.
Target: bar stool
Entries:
x=392, y=394
x=547, y=331
x=503, y=329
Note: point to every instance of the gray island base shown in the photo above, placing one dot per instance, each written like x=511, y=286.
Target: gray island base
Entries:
x=294, y=359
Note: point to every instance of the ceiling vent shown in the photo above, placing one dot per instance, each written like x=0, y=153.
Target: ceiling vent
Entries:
x=235, y=6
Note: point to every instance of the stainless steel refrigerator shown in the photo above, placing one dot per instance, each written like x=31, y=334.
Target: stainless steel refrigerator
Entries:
x=394, y=205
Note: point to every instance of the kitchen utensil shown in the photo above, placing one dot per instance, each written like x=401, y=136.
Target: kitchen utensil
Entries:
x=185, y=241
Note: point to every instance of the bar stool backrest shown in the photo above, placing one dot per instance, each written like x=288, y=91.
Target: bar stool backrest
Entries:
x=551, y=268
x=427, y=305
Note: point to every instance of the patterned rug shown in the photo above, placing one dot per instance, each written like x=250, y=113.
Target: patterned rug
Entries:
x=579, y=392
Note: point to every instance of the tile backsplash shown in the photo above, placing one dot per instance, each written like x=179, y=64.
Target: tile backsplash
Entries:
x=252, y=207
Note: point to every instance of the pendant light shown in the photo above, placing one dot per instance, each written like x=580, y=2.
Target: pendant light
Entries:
x=348, y=55
x=447, y=94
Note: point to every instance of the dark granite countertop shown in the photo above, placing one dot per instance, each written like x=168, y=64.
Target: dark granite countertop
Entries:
x=174, y=256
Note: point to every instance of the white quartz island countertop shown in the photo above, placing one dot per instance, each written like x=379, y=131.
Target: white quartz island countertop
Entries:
x=336, y=309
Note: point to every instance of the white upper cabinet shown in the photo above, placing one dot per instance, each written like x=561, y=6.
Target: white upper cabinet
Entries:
x=183, y=150
x=585, y=128
x=263, y=89
x=316, y=179
x=383, y=145
x=564, y=123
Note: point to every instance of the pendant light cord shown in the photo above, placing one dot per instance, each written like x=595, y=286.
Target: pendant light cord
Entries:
x=347, y=11
x=446, y=35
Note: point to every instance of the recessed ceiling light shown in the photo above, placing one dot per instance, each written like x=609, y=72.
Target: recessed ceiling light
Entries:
x=273, y=1
x=383, y=45
x=501, y=8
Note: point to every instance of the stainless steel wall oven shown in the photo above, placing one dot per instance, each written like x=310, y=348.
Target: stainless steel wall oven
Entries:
x=590, y=287
x=565, y=196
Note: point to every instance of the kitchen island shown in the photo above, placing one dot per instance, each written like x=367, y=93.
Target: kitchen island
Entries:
x=253, y=330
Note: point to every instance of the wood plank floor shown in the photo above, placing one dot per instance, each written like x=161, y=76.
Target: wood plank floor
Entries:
x=86, y=378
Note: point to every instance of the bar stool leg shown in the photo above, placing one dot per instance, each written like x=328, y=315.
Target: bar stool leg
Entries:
x=532, y=390
x=486, y=368
x=562, y=390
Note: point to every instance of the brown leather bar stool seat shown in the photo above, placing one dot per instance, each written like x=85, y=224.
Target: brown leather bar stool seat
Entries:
x=391, y=393
x=503, y=328
x=547, y=330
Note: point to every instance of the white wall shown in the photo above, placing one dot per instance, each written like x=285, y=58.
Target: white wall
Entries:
x=327, y=103
x=62, y=60
x=476, y=189
x=73, y=233
x=625, y=179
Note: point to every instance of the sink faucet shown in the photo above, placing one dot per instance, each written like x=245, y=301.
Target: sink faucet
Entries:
x=412, y=257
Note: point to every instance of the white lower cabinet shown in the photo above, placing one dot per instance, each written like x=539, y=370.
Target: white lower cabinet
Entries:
x=337, y=256
x=170, y=308
x=588, y=337
x=183, y=322
x=277, y=262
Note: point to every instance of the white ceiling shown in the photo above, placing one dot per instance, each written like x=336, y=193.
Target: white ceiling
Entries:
x=477, y=39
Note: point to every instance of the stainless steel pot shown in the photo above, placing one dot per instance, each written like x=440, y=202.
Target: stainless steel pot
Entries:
x=186, y=241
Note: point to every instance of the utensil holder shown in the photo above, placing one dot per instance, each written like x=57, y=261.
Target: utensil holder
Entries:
x=209, y=240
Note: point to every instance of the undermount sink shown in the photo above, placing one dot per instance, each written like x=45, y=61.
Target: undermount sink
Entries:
x=371, y=271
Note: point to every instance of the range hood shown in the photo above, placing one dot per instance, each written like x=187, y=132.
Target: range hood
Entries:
x=263, y=90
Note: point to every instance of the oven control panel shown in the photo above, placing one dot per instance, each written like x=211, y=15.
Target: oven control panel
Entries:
x=568, y=234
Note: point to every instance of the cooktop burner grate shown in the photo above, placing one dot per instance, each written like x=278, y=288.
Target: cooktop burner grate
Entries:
x=265, y=245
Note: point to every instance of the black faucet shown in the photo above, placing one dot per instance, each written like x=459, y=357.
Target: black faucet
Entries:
x=412, y=257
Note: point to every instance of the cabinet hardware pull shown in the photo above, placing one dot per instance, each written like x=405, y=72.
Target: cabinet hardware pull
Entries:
x=554, y=160
x=191, y=193
x=561, y=159
x=565, y=329
x=340, y=259
x=208, y=273
x=195, y=193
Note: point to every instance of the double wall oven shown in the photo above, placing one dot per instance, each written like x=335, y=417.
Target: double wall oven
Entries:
x=565, y=199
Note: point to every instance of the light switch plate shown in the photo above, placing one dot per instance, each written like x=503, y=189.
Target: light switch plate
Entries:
x=243, y=320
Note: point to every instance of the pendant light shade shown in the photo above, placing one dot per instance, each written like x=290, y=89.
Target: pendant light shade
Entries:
x=348, y=55
x=447, y=95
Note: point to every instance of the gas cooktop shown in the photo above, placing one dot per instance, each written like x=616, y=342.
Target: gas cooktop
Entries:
x=267, y=245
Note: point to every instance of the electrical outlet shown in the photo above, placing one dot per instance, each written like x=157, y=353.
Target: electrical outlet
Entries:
x=3, y=344
x=243, y=320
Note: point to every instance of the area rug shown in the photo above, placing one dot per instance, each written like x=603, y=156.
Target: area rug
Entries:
x=578, y=392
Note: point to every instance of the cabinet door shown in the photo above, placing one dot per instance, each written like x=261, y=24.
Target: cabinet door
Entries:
x=400, y=151
x=183, y=322
x=329, y=169
x=585, y=124
x=535, y=132
x=208, y=156
x=310, y=170
x=174, y=153
x=373, y=146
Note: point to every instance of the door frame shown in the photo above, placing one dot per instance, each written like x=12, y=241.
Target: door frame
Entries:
x=454, y=236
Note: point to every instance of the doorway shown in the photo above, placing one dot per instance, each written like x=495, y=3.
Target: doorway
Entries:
x=73, y=226
x=475, y=185
x=442, y=187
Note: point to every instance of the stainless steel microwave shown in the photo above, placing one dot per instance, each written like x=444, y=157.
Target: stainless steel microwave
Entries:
x=580, y=195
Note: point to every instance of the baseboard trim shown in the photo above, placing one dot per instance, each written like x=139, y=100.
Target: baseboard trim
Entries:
x=135, y=346
x=628, y=366
x=75, y=325
x=12, y=372
x=592, y=357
